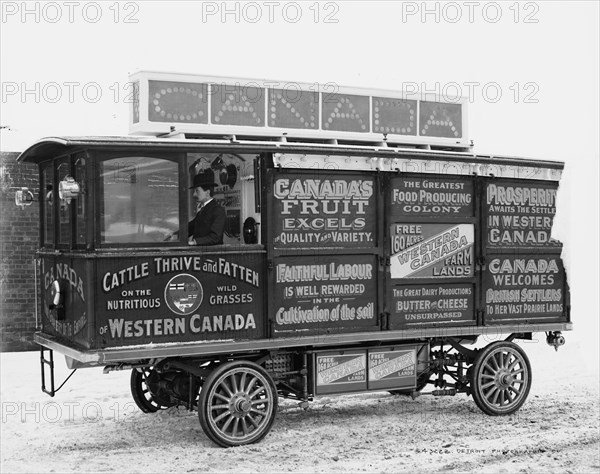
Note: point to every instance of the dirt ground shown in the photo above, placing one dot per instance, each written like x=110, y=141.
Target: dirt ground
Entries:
x=92, y=425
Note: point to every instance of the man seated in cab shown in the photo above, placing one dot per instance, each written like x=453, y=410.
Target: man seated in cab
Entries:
x=207, y=227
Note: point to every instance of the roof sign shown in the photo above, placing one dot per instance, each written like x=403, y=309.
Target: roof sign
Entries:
x=224, y=105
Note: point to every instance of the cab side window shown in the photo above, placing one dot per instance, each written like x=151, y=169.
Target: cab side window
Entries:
x=139, y=200
x=233, y=176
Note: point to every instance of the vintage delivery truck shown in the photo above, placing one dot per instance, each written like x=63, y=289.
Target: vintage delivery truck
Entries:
x=366, y=247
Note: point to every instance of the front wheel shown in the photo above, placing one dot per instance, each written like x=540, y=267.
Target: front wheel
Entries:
x=238, y=403
x=501, y=378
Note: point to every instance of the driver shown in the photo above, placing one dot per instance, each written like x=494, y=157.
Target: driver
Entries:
x=207, y=227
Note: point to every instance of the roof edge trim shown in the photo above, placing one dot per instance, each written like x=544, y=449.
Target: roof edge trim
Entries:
x=29, y=154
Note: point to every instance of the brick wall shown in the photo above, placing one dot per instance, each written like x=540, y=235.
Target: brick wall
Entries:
x=19, y=236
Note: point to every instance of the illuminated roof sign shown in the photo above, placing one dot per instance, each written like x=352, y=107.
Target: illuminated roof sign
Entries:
x=232, y=106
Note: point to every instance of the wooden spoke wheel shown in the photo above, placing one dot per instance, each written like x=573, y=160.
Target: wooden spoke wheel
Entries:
x=501, y=378
x=238, y=403
x=144, y=389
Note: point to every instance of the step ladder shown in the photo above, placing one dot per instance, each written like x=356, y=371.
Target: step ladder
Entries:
x=47, y=365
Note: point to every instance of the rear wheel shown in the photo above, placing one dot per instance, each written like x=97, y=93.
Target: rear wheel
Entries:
x=144, y=389
x=501, y=378
x=238, y=403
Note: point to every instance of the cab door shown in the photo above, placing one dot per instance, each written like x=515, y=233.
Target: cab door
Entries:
x=65, y=271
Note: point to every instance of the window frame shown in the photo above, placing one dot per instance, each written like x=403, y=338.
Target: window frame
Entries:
x=84, y=197
x=44, y=234
x=52, y=164
x=68, y=242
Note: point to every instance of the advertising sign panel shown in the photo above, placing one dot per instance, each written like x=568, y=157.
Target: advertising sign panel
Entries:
x=431, y=197
x=389, y=368
x=330, y=294
x=343, y=371
x=431, y=250
x=259, y=107
x=68, y=319
x=313, y=212
x=517, y=215
x=179, y=298
x=432, y=304
x=524, y=287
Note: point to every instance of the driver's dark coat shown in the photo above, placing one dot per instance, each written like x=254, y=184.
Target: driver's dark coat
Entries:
x=208, y=225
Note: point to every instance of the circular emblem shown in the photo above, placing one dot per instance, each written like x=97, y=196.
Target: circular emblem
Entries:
x=183, y=294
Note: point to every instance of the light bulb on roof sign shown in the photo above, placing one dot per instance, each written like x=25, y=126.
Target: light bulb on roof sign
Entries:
x=394, y=116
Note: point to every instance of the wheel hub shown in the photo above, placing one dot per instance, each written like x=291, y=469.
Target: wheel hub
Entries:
x=240, y=405
x=507, y=379
x=504, y=379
